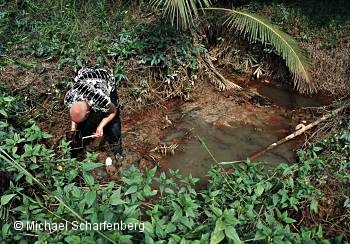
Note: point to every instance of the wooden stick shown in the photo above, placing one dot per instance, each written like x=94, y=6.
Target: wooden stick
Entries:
x=297, y=133
x=86, y=137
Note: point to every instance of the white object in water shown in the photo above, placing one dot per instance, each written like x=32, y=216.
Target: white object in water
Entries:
x=108, y=161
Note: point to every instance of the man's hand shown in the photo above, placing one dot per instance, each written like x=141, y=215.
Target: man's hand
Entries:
x=99, y=131
x=73, y=126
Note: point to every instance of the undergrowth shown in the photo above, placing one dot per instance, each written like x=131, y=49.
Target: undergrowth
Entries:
x=246, y=204
x=149, y=59
x=304, y=202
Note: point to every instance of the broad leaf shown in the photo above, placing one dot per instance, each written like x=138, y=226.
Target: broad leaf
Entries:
x=5, y=199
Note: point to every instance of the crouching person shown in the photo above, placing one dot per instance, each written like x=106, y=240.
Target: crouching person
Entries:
x=94, y=107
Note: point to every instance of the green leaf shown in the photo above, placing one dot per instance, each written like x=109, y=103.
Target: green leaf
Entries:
x=148, y=228
x=88, y=240
x=151, y=173
x=259, y=189
x=90, y=166
x=231, y=233
x=3, y=112
x=5, y=230
x=177, y=215
x=317, y=149
x=72, y=239
x=89, y=180
x=90, y=197
x=6, y=199
x=314, y=205
x=116, y=201
x=115, y=198
x=170, y=228
x=283, y=217
x=148, y=191
x=275, y=199
x=186, y=222
x=259, y=236
x=217, y=211
x=229, y=217
x=131, y=190
x=216, y=237
x=169, y=191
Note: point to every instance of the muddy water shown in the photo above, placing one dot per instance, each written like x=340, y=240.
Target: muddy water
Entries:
x=290, y=99
x=239, y=136
x=225, y=144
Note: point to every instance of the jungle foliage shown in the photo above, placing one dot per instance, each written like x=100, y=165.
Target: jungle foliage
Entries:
x=292, y=203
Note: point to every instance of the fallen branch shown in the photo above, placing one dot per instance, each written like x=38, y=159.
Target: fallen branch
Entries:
x=226, y=84
x=297, y=133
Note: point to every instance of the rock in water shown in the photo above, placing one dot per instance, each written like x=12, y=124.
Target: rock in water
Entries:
x=111, y=169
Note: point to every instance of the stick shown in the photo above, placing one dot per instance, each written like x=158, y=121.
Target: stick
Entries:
x=86, y=137
x=297, y=133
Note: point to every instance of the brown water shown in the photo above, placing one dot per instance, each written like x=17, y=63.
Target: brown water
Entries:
x=290, y=99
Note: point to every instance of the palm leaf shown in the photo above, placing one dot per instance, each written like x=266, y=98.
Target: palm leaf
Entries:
x=181, y=11
x=257, y=28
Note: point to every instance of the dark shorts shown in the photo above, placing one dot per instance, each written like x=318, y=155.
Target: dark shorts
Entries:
x=112, y=130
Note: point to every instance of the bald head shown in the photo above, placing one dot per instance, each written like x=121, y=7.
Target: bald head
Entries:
x=79, y=111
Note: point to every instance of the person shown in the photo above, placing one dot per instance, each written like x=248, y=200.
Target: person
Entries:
x=94, y=106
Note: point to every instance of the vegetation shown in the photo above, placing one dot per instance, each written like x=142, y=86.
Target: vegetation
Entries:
x=244, y=205
x=256, y=28
x=44, y=43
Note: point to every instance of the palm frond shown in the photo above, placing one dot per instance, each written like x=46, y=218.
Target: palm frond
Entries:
x=183, y=12
x=257, y=28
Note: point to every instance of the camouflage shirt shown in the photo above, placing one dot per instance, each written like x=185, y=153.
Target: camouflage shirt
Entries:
x=93, y=85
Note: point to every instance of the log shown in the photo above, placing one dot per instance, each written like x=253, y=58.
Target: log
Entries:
x=297, y=133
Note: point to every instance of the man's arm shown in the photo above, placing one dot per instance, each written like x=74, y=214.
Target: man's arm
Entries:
x=112, y=113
